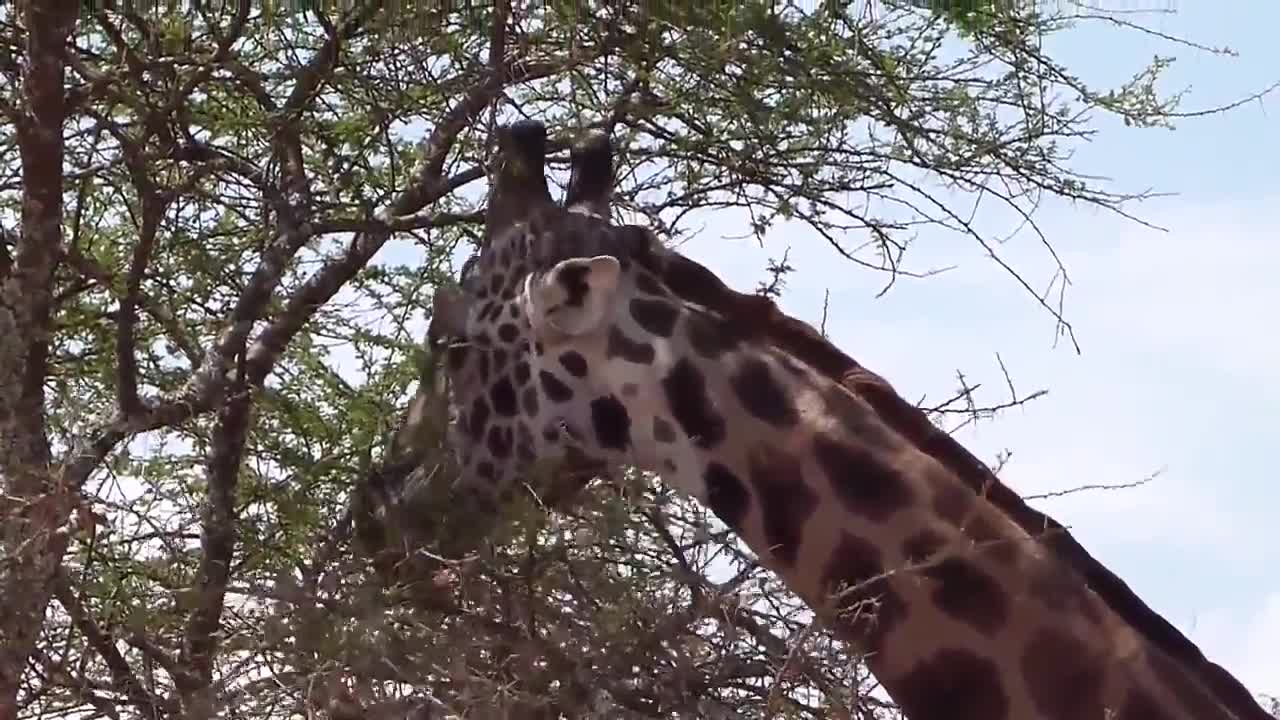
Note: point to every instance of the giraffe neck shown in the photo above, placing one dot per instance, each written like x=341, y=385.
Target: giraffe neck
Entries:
x=960, y=611
x=978, y=615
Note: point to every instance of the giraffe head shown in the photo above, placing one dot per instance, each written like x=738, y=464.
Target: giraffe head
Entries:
x=508, y=413
x=570, y=341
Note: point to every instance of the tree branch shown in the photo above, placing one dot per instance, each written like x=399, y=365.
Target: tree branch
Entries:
x=217, y=544
x=153, y=207
x=428, y=187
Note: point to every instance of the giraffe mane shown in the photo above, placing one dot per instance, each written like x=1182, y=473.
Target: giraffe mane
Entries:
x=758, y=317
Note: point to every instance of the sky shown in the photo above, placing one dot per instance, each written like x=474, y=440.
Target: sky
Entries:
x=1177, y=374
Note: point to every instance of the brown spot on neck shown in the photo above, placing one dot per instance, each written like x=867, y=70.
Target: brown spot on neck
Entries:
x=968, y=593
x=952, y=684
x=861, y=479
x=786, y=502
x=868, y=608
x=1063, y=676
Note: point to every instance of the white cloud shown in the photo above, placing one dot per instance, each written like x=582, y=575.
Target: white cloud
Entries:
x=1248, y=643
x=1205, y=290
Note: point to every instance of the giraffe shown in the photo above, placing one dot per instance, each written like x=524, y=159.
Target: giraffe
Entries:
x=572, y=335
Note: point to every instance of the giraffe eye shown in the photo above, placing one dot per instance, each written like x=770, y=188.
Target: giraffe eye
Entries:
x=567, y=433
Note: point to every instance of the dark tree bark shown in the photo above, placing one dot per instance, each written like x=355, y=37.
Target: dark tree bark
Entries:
x=36, y=502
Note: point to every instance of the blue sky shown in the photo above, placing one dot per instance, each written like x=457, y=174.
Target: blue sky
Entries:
x=1177, y=375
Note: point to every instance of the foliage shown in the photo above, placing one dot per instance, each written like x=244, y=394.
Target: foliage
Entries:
x=258, y=203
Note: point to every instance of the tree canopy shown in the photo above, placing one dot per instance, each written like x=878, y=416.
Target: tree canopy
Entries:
x=214, y=284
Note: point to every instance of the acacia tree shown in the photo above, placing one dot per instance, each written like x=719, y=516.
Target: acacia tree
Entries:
x=214, y=280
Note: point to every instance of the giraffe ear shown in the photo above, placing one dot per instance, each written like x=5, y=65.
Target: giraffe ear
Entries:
x=575, y=297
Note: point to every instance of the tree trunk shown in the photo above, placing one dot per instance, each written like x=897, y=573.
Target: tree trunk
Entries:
x=34, y=503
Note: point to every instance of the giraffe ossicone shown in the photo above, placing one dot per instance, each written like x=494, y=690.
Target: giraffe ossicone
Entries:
x=574, y=338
